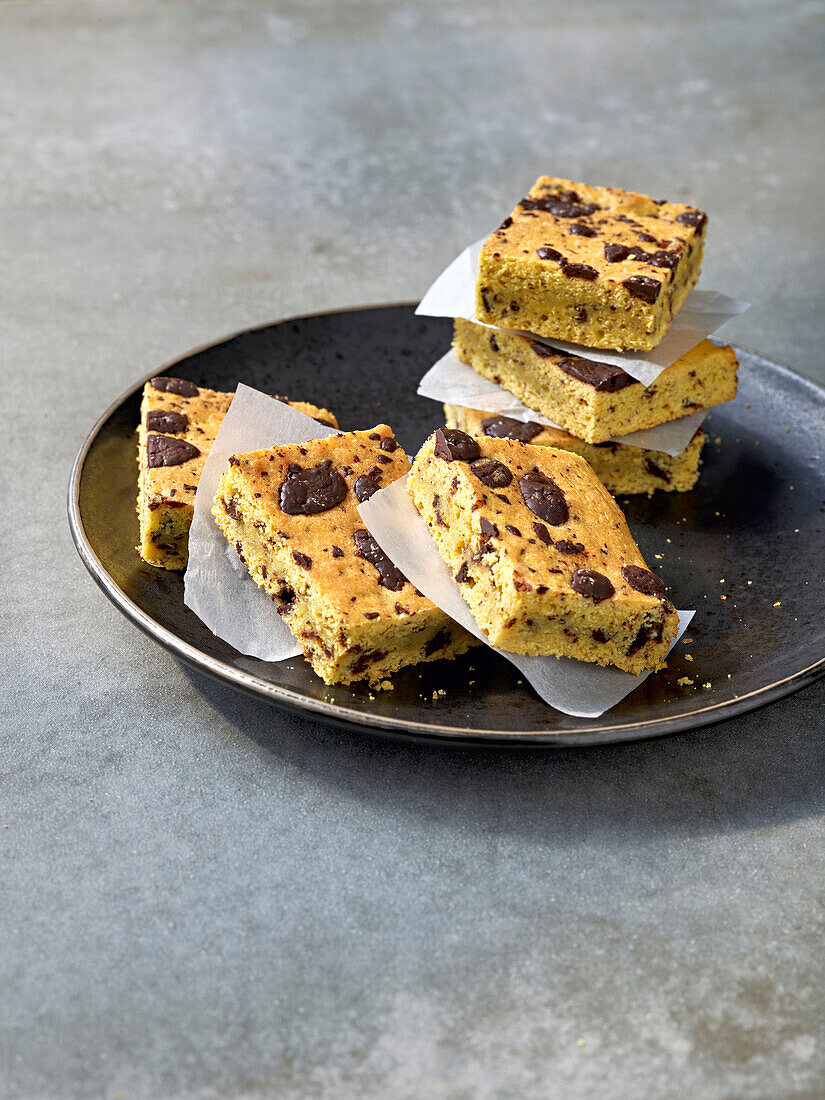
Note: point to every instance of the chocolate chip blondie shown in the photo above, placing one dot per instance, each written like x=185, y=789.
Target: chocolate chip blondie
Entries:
x=620, y=468
x=592, y=265
x=178, y=425
x=292, y=514
x=541, y=551
x=593, y=400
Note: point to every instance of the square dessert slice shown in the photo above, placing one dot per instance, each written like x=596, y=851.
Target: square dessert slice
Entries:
x=541, y=551
x=178, y=425
x=593, y=400
x=620, y=468
x=592, y=265
x=292, y=514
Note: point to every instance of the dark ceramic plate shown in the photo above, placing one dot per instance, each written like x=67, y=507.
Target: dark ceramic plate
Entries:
x=745, y=549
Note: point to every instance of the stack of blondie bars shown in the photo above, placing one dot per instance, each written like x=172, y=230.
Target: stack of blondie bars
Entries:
x=604, y=269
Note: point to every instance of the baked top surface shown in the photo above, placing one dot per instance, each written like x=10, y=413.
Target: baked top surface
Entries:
x=331, y=540
x=545, y=532
x=192, y=415
x=563, y=224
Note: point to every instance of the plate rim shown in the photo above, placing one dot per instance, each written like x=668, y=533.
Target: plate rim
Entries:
x=401, y=728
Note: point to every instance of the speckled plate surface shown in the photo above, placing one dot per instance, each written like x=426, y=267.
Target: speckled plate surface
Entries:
x=745, y=549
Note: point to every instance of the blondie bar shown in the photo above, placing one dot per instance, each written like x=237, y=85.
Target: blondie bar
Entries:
x=620, y=468
x=596, y=401
x=178, y=425
x=541, y=551
x=292, y=514
x=592, y=265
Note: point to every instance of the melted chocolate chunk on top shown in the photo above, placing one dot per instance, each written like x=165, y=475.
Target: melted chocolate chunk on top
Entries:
x=544, y=498
x=505, y=427
x=579, y=271
x=548, y=253
x=696, y=219
x=615, y=253
x=601, y=376
x=450, y=444
x=642, y=287
x=305, y=492
x=642, y=580
x=565, y=204
x=166, y=420
x=366, y=485
x=165, y=450
x=179, y=386
x=587, y=582
x=389, y=576
x=491, y=472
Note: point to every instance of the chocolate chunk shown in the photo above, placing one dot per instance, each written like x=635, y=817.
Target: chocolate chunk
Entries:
x=450, y=444
x=286, y=596
x=579, y=271
x=337, y=552
x=365, y=486
x=587, y=582
x=603, y=377
x=543, y=533
x=694, y=218
x=579, y=229
x=642, y=287
x=463, y=574
x=489, y=530
x=231, y=509
x=389, y=576
x=599, y=636
x=505, y=427
x=561, y=205
x=165, y=420
x=568, y=547
x=508, y=221
x=191, y=488
x=347, y=471
x=659, y=259
x=304, y=560
x=439, y=640
x=326, y=423
x=542, y=350
x=165, y=450
x=370, y=614
x=522, y=586
x=305, y=492
x=374, y=435
x=179, y=386
x=615, y=253
x=383, y=459
x=640, y=233
x=368, y=658
x=642, y=580
x=513, y=530
x=548, y=253
x=484, y=300
x=656, y=471
x=544, y=498
x=388, y=444
x=642, y=638
x=491, y=472
x=493, y=342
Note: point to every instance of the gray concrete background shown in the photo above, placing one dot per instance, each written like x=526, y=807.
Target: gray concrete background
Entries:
x=200, y=896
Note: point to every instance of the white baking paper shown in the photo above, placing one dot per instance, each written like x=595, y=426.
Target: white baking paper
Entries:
x=217, y=587
x=704, y=311
x=573, y=687
x=454, y=383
